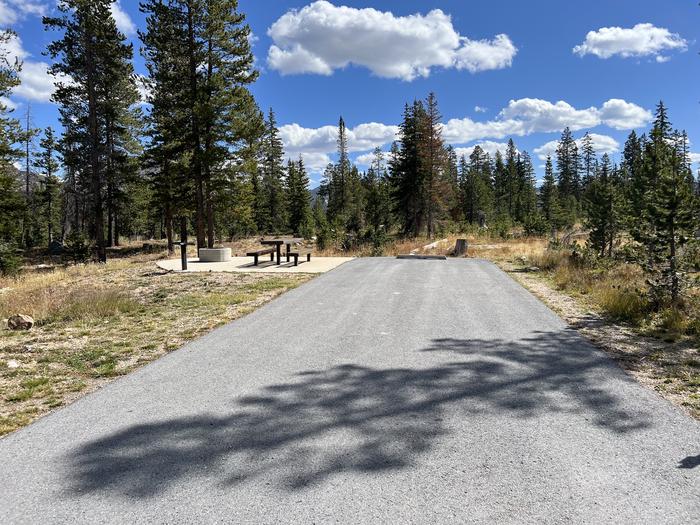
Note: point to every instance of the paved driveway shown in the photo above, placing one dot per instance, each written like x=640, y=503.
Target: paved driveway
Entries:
x=383, y=391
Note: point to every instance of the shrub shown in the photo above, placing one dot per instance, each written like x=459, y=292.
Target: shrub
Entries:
x=622, y=303
x=674, y=322
x=10, y=261
x=549, y=259
x=77, y=246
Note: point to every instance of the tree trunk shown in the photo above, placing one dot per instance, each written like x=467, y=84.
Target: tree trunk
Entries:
x=196, y=144
x=95, y=182
x=169, y=227
x=461, y=247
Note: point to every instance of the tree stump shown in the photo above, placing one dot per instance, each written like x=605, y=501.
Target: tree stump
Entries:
x=461, y=247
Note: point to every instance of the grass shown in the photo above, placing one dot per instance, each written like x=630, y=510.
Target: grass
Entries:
x=97, y=322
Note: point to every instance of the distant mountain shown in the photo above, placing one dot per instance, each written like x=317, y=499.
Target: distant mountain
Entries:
x=314, y=194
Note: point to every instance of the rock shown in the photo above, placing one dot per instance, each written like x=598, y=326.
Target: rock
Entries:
x=20, y=322
x=12, y=364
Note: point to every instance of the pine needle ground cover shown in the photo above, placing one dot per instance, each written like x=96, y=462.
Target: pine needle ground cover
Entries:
x=98, y=322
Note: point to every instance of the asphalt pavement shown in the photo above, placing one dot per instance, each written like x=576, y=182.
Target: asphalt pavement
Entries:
x=385, y=391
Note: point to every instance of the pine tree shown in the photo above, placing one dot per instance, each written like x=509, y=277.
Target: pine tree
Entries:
x=525, y=192
x=378, y=195
x=335, y=185
x=603, y=210
x=549, y=198
x=588, y=161
x=11, y=202
x=511, y=178
x=406, y=174
x=47, y=165
x=500, y=187
x=475, y=186
x=95, y=55
x=273, y=200
x=431, y=150
x=568, y=165
x=298, y=198
x=672, y=210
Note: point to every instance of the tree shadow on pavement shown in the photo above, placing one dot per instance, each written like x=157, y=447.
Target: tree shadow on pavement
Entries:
x=353, y=418
x=689, y=462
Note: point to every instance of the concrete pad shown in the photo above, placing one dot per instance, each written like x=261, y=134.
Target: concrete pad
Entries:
x=245, y=264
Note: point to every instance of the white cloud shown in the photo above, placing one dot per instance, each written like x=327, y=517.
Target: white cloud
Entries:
x=12, y=11
x=480, y=109
x=695, y=158
x=531, y=115
x=601, y=143
x=314, y=162
x=36, y=83
x=365, y=159
x=620, y=114
x=638, y=41
x=123, y=20
x=483, y=55
x=364, y=137
x=488, y=146
x=321, y=37
x=9, y=104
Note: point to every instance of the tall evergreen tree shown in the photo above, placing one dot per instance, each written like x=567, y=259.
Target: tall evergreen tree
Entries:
x=603, y=210
x=432, y=155
x=549, y=198
x=406, y=172
x=272, y=181
x=588, y=161
x=11, y=202
x=298, y=199
x=47, y=165
x=568, y=165
x=94, y=54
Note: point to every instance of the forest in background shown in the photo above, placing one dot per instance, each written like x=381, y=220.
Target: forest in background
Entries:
x=202, y=160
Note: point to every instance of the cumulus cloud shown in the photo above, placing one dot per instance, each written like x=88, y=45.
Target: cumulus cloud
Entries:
x=124, y=22
x=36, y=83
x=620, y=114
x=323, y=140
x=488, y=146
x=12, y=11
x=601, y=143
x=530, y=115
x=365, y=159
x=480, y=109
x=695, y=158
x=7, y=103
x=322, y=37
x=638, y=41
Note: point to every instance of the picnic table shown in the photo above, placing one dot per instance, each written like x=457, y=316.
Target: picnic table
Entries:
x=277, y=242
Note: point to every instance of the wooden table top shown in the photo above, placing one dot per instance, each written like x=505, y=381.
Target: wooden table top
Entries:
x=281, y=240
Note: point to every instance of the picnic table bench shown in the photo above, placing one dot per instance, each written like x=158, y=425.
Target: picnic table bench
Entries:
x=263, y=251
x=296, y=253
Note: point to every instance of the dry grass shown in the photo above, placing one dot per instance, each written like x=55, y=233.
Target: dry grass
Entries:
x=95, y=322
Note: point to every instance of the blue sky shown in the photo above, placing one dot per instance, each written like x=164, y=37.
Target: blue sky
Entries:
x=499, y=69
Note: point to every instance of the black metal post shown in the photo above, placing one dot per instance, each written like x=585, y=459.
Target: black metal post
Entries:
x=183, y=242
